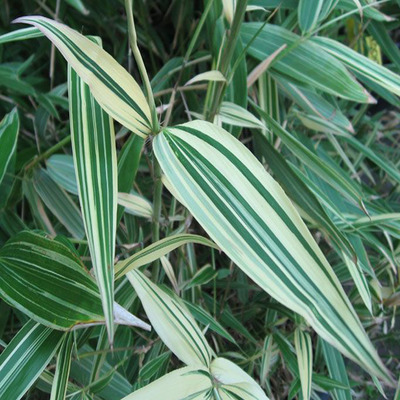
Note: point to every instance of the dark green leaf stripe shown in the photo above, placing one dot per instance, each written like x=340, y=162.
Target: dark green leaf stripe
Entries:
x=25, y=358
x=95, y=160
x=248, y=215
x=45, y=280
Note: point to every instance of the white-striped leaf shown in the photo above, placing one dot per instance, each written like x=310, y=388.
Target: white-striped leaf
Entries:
x=45, y=280
x=60, y=382
x=303, y=345
x=61, y=169
x=111, y=85
x=207, y=76
x=172, y=321
x=305, y=62
x=20, y=34
x=189, y=383
x=361, y=64
x=9, y=128
x=95, y=160
x=135, y=204
x=250, y=217
x=308, y=14
x=24, y=359
x=157, y=250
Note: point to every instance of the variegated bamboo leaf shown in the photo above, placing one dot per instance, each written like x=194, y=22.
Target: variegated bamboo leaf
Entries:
x=172, y=321
x=135, y=204
x=25, y=357
x=309, y=12
x=45, y=280
x=157, y=250
x=250, y=217
x=111, y=85
x=361, y=64
x=303, y=345
x=60, y=383
x=189, y=383
x=95, y=160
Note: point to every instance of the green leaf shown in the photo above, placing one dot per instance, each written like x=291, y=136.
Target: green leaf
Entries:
x=45, y=280
x=249, y=216
x=304, y=351
x=360, y=64
x=95, y=159
x=24, y=359
x=61, y=169
x=157, y=250
x=111, y=85
x=233, y=114
x=172, y=321
x=60, y=383
x=9, y=128
x=337, y=370
x=305, y=62
x=59, y=203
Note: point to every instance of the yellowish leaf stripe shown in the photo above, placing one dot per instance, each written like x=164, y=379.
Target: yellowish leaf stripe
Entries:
x=157, y=250
x=363, y=65
x=135, y=204
x=172, y=321
x=43, y=279
x=60, y=383
x=303, y=345
x=249, y=216
x=95, y=160
x=24, y=359
x=111, y=85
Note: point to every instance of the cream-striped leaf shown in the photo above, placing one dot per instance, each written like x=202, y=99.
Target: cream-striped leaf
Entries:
x=172, y=321
x=157, y=250
x=250, y=217
x=135, y=204
x=303, y=345
x=189, y=383
x=111, y=85
x=235, y=382
x=361, y=64
x=25, y=357
x=233, y=114
x=95, y=160
x=309, y=12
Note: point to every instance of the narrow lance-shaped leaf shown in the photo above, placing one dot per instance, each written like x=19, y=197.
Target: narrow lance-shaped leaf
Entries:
x=172, y=321
x=302, y=341
x=25, y=357
x=309, y=12
x=111, y=85
x=305, y=62
x=361, y=64
x=249, y=216
x=60, y=383
x=95, y=159
x=9, y=128
x=157, y=250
